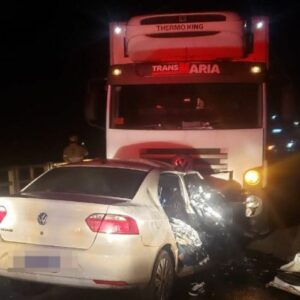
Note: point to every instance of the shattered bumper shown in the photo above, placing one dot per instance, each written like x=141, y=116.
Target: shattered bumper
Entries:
x=254, y=226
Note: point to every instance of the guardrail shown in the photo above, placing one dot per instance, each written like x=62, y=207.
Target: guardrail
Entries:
x=13, y=179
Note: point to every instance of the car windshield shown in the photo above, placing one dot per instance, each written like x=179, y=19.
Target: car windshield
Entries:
x=102, y=181
x=186, y=106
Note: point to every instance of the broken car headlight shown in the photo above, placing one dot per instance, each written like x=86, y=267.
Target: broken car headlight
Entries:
x=253, y=206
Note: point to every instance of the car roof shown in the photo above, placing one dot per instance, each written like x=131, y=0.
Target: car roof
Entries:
x=136, y=164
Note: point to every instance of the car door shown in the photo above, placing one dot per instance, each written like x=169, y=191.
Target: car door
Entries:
x=172, y=195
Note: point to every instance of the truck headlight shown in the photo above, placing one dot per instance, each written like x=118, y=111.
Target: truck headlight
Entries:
x=116, y=72
x=252, y=177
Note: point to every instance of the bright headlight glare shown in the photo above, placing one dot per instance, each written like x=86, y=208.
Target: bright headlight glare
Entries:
x=271, y=147
x=290, y=144
x=252, y=177
x=117, y=72
x=117, y=30
x=259, y=25
x=211, y=212
x=207, y=196
x=255, y=69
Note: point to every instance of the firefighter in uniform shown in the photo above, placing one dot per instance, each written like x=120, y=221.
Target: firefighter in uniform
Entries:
x=74, y=152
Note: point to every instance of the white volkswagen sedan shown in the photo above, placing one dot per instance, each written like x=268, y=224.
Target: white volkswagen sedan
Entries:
x=105, y=224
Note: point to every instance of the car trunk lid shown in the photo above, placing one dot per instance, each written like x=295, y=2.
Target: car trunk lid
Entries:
x=45, y=220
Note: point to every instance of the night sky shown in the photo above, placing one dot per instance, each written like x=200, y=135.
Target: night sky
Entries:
x=50, y=49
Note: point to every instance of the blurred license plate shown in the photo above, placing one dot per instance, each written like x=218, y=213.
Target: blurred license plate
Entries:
x=42, y=262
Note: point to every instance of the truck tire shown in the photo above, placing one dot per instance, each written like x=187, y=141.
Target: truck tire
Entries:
x=162, y=278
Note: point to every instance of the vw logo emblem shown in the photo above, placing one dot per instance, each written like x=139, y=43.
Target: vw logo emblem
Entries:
x=42, y=218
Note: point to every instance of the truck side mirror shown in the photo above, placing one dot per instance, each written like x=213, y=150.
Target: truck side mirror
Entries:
x=94, y=110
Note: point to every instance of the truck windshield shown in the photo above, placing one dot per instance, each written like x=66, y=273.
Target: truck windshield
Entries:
x=186, y=106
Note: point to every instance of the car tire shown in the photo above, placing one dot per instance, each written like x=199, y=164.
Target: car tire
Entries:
x=162, y=278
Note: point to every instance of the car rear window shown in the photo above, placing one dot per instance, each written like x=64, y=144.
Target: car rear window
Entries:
x=102, y=181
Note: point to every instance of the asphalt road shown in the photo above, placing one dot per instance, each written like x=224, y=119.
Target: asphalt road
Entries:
x=243, y=279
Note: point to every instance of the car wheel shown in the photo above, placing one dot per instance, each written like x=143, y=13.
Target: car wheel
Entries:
x=161, y=283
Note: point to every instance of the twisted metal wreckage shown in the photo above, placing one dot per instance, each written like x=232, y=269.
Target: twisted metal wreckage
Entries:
x=201, y=227
x=288, y=277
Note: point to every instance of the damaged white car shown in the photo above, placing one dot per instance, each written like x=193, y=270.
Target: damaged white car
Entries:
x=113, y=224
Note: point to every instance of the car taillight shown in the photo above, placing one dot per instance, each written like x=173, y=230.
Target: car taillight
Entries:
x=118, y=224
x=94, y=221
x=113, y=224
x=3, y=213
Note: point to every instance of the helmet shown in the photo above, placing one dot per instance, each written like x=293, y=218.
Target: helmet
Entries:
x=73, y=138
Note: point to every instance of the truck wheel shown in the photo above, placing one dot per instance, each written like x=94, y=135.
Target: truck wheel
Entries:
x=161, y=283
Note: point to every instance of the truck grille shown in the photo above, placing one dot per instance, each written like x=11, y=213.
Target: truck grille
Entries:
x=208, y=160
